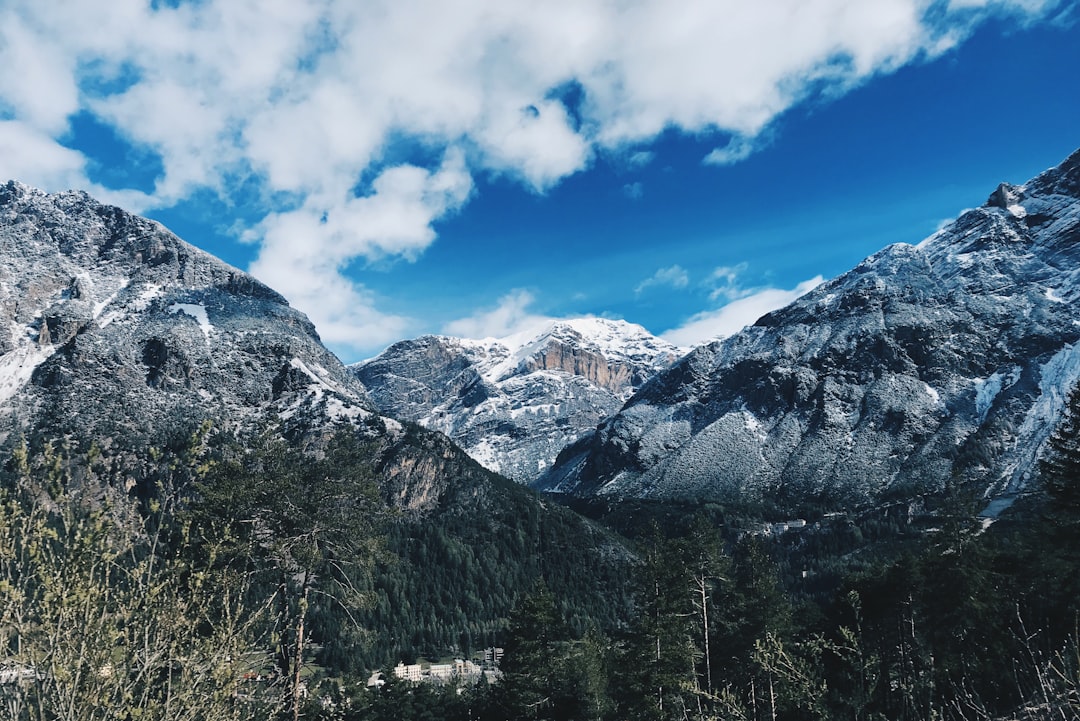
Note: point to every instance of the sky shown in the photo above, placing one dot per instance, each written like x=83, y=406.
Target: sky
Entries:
x=472, y=167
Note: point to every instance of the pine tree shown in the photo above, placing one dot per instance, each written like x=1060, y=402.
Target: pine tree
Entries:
x=709, y=570
x=308, y=527
x=1060, y=462
x=534, y=661
x=660, y=680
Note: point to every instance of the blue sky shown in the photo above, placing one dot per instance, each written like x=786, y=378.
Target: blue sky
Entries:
x=472, y=167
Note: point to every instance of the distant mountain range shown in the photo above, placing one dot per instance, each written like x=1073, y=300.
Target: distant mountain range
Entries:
x=926, y=365
x=514, y=403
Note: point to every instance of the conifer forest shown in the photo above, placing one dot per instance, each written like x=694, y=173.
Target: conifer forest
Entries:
x=256, y=580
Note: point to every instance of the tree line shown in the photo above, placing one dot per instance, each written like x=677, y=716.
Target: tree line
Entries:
x=962, y=619
x=220, y=578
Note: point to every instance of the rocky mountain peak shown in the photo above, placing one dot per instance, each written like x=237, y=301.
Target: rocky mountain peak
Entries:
x=611, y=354
x=113, y=325
x=926, y=364
x=1005, y=196
x=514, y=402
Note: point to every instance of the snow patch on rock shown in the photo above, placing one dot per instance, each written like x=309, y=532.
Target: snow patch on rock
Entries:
x=987, y=390
x=196, y=311
x=17, y=366
x=1059, y=374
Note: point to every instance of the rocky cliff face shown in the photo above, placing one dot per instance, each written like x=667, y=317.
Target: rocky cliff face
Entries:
x=514, y=403
x=925, y=365
x=112, y=326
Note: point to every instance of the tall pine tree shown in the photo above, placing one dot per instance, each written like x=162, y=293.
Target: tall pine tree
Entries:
x=1060, y=462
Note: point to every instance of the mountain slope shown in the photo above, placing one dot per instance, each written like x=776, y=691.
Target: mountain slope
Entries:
x=925, y=364
x=116, y=332
x=514, y=403
x=110, y=324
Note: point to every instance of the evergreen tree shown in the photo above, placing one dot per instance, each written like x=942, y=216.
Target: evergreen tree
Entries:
x=659, y=679
x=1060, y=462
x=537, y=679
x=309, y=527
x=709, y=569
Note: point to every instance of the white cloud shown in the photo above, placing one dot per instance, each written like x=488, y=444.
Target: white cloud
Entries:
x=509, y=317
x=725, y=282
x=739, y=148
x=634, y=191
x=39, y=82
x=304, y=252
x=674, y=276
x=29, y=155
x=307, y=97
x=736, y=315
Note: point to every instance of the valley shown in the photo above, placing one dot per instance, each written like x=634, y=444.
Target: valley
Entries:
x=863, y=505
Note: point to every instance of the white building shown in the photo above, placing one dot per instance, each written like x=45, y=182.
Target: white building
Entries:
x=412, y=672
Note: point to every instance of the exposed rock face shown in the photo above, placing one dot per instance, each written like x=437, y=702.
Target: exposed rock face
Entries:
x=928, y=364
x=514, y=403
x=110, y=325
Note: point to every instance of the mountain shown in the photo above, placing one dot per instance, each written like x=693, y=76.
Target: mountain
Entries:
x=515, y=402
x=926, y=365
x=115, y=332
x=111, y=325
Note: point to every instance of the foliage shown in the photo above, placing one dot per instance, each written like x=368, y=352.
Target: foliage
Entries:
x=106, y=615
x=118, y=610
x=307, y=528
x=451, y=577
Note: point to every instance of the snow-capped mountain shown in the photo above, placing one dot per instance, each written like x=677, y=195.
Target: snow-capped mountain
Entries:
x=112, y=326
x=925, y=365
x=514, y=403
x=113, y=330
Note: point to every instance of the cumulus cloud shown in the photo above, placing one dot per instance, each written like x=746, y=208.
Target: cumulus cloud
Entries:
x=736, y=315
x=509, y=317
x=674, y=277
x=306, y=99
x=304, y=252
x=29, y=155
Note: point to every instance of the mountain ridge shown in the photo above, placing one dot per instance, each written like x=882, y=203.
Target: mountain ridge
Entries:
x=513, y=403
x=925, y=365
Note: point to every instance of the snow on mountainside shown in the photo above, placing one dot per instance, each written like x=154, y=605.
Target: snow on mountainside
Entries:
x=924, y=365
x=112, y=326
x=514, y=403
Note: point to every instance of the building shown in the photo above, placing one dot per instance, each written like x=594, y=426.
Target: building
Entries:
x=441, y=671
x=413, y=672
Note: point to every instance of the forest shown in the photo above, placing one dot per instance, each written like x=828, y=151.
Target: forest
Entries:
x=226, y=578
